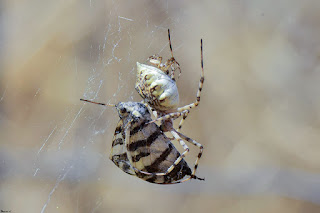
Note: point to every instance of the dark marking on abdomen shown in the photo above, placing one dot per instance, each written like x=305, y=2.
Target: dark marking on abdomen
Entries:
x=147, y=142
x=136, y=158
x=121, y=157
x=117, y=142
x=154, y=167
x=137, y=128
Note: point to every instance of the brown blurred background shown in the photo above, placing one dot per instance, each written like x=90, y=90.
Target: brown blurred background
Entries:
x=259, y=117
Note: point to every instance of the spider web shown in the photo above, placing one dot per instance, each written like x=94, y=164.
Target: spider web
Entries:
x=113, y=57
x=67, y=162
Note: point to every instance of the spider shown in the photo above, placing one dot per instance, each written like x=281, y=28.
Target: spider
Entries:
x=159, y=90
x=156, y=85
x=156, y=60
x=161, y=96
x=141, y=149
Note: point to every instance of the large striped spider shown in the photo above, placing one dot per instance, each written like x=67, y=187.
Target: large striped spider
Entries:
x=141, y=149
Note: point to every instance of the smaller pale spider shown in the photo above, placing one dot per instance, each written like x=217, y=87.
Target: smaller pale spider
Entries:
x=160, y=94
x=159, y=90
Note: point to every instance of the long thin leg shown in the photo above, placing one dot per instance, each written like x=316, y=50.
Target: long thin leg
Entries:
x=103, y=104
x=170, y=115
x=195, y=104
x=186, y=150
x=193, y=176
x=183, y=119
x=170, y=63
x=185, y=110
x=173, y=115
x=190, y=140
x=200, y=152
x=172, y=60
x=155, y=60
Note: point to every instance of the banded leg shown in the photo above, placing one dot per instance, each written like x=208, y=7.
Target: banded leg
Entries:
x=193, y=176
x=155, y=60
x=170, y=115
x=103, y=104
x=195, y=104
x=183, y=119
x=170, y=63
x=190, y=140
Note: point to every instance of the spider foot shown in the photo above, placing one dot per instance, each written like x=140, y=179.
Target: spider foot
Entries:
x=195, y=177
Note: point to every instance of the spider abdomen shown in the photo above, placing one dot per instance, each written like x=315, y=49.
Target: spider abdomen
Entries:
x=156, y=87
x=151, y=151
x=148, y=151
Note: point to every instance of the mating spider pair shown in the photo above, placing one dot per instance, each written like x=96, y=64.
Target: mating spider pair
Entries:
x=139, y=146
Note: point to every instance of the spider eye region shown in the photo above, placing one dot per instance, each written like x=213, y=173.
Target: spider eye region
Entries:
x=123, y=110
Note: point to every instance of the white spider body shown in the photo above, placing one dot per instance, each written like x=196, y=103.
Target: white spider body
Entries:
x=157, y=88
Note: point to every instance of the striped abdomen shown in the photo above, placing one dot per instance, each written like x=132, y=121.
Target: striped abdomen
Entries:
x=151, y=151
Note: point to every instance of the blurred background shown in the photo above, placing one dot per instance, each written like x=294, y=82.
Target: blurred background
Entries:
x=259, y=117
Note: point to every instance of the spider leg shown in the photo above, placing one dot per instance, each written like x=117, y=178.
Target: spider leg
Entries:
x=170, y=115
x=155, y=60
x=172, y=61
x=196, y=103
x=171, y=64
x=178, y=67
x=185, y=147
x=193, y=176
x=190, y=140
x=183, y=119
